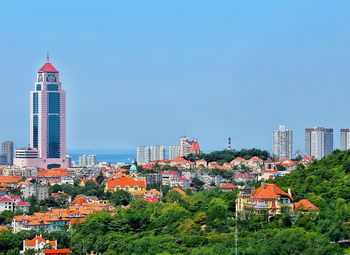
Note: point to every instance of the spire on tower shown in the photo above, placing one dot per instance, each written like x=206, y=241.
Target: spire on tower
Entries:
x=47, y=56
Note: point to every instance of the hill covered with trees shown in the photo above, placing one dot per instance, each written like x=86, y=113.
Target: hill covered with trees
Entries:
x=204, y=223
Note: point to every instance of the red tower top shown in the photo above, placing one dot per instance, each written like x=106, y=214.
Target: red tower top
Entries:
x=48, y=67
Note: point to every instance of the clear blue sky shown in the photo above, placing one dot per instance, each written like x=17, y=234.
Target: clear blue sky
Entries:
x=147, y=72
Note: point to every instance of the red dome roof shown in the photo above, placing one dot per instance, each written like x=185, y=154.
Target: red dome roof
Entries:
x=48, y=68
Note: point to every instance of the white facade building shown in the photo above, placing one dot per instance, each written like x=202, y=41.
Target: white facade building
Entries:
x=282, y=143
x=157, y=152
x=318, y=142
x=174, y=151
x=345, y=139
x=185, y=146
x=143, y=155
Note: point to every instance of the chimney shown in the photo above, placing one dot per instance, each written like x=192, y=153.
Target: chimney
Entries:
x=289, y=192
x=263, y=185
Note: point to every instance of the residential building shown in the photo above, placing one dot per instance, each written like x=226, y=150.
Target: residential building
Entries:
x=13, y=203
x=282, y=140
x=3, y=160
x=38, y=243
x=167, y=176
x=7, y=151
x=87, y=160
x=143, y=155
x=345, y=139
x=47, y=121
x=318, y=142
x=129, y=184
x=185, y=146
x=40, y=191
x=157, y=152
x=174, y=151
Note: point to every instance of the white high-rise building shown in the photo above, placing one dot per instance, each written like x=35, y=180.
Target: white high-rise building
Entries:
x=318, y=142
x=345, y=138
x=174, y=151
x=185, y=146
x=47, y=122
x=87, y=160
x=282, y=142
x=143, y=155
x=157, y=152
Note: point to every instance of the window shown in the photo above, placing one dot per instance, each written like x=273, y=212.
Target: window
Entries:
x=52, y=87
x=53, y=136
x=35, y=131
x=53, y=103
x=35, y=102
x=38, y=87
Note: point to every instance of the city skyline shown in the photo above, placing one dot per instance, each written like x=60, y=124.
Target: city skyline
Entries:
x=247, y=51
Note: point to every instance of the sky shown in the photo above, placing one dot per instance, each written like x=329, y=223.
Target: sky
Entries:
x=147, y=72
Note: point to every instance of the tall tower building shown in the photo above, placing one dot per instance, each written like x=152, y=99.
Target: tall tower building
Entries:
x=345, y=138
x=157, y=152
x=282, y=142
x=47, y=121
x=318, y=142
x=174, y=151
x=7, y=152
x=143, y=155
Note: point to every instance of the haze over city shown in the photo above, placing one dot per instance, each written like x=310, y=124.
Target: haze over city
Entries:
x=135, y=74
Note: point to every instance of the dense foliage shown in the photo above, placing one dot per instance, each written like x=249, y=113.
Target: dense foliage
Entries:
x=228, y=155
x=204, y=222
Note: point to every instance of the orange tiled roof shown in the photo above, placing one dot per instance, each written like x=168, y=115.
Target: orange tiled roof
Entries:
x=57, y=251
x=271, y=191
x=228, y=186
x=10, y=179
x=55, y=172
x=39, y=239
x=124, y=181
x=305, y=204
x=180, y=191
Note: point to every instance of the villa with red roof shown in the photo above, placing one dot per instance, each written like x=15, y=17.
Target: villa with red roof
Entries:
x=42, y=246
x=129, y=184
x=13, y=203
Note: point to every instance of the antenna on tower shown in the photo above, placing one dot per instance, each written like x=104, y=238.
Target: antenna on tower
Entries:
x=47, y=56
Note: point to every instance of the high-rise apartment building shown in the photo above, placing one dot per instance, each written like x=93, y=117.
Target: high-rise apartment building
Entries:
x=174, y=151
x=7, y=152
x=157, y=152
x=87, y=160
x=282, y=142
x=143, y=155
x=345, y=138
x=318, y=142
x=47, y=121
x=185, y=146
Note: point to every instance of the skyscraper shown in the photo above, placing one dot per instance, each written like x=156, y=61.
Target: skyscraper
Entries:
x=7, y=152
x=318, y=142
x=282, y=142
x=47, y=121
x=174, y=151
x=143, y=155
x=157, y=152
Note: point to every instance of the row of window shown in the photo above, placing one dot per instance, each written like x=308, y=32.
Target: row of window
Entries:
x=49, y=87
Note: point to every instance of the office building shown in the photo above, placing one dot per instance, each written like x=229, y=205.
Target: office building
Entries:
x=345, y=139
x=282, y=143
x=157, y=152
x=7, y=151
x=143, y=155
x=318, y=142
x=47, y=121
x=174, y=151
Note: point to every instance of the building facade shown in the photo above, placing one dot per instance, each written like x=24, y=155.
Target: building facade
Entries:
x=174, y=151
x=345, y=139
x=47, y=121
x=185, y=146
x=282, y=143
x=157, y=152
x=7, y=152
x=143, y=155
x=318, y=142
x=87, y=160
